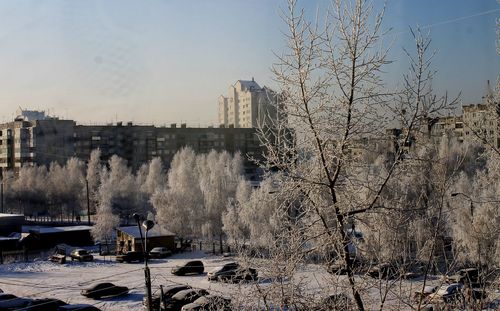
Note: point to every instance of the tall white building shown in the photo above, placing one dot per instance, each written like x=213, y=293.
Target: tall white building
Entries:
x=247, y=105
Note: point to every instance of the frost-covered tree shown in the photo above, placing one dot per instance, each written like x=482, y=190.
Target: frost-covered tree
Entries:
x=28, y=192
x=179, y=206
x=234, y=227
x=106, y=218
x=93, y=178
x=218, y=178
x=476, y=224
x=118, y=189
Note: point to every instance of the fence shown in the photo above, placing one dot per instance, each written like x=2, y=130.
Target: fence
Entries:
x=24, y=256
x=212, y=247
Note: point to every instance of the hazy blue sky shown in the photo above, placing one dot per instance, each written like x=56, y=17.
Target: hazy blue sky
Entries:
x=166, y=61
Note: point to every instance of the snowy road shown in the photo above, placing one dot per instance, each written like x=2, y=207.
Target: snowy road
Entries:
x=44, y=279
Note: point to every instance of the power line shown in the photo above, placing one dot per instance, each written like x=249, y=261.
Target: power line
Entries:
x=450, y=21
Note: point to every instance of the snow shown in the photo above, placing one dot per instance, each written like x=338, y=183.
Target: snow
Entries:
x=155, y=232
x=44, y=279
x=41, y=229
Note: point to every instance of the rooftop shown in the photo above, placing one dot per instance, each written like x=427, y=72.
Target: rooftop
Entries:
x=42, y=230
x=155, y=232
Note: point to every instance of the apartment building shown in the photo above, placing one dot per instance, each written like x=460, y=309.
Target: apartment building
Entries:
x=247, y=105
x=477, y=122
x=139, y=144
x=41, y=142
x=36, y=142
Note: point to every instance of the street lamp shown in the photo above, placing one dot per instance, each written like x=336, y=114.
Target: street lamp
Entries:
x=470, y=200
x=147, y=224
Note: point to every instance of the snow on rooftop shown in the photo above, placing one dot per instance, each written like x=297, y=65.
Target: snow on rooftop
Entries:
x=11, y=215
x=156, y=231
x=41, y=229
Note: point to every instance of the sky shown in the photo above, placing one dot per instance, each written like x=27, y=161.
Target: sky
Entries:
x=167, y=61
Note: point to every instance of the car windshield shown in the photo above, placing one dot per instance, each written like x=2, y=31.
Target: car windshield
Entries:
x=82, y=252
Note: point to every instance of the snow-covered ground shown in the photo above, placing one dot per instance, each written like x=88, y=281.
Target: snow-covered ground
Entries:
x=44, y=279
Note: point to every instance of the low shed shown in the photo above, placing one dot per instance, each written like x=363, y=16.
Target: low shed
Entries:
x=47, y=237
x=129, y=239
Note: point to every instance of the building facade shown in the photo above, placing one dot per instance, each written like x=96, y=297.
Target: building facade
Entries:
x=247, y=105
x=478, y=122
x=41, y=142
x=33, y=142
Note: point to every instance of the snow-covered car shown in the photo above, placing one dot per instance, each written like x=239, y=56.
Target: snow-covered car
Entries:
x=44, y=304
x=190, y=267
x=159, y=252
x=447, y=293
x=81, y=255
x=184, y=297
x=386, y=270
x=467, y=275
x=231, y=272
x=168, y=292
x=104, y=290
x=209, y=302
x=12, y=302
x=130, y=256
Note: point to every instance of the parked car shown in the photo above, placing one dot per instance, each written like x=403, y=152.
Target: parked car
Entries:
x=184, y=297
x=130, y=256
x=159, y=252
x=190, y=267
x=12, y=302
x=423, y=295
x=81, y=255
x=209, y=302
x=104, y=290
x=79, y=307
x=447, y=293
x=338, y=268
x=168, y=292
x=231, y=272
x=45, y=304
x=468, y=275
x=386, y=270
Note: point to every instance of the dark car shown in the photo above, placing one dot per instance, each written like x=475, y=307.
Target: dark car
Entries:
x=12, y=302
x=447, y=293
x=386, y=270
x=159, y=252
x=131, y=256
x=46, y=304
x=231, y=272
x=190, y=267
x=209, y=302
x=79, y=307
x=468, y=275
x=81, y=255
x=184, y=297
x=104, y=290
x=168, y=292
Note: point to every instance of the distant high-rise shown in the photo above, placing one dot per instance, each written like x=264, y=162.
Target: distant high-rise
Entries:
x=247, y=105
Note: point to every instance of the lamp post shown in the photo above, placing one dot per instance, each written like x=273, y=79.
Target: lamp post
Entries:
x=147, y=224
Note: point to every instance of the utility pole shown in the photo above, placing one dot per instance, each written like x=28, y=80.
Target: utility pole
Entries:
x=1, y=196
x=148, y=224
